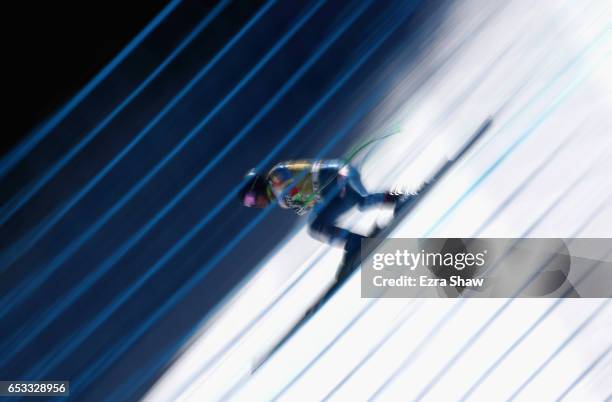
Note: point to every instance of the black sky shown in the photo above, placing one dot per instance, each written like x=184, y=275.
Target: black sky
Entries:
x=52, y=49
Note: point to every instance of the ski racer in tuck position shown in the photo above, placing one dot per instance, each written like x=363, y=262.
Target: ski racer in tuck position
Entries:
x=324, y=188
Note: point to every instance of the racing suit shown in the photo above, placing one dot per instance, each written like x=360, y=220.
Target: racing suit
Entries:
x=328, y=188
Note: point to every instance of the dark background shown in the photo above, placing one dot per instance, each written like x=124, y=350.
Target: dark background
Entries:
x=53, y=48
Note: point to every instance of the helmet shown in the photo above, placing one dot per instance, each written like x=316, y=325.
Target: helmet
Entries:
x=255, y=187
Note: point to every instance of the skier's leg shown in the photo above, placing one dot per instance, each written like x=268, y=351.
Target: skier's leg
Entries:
x=346, y=192
x=322, y=229
x=364, y=199
x=324, y=219
x=323, y=224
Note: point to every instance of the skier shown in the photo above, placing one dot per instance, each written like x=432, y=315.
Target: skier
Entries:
x=328, y=188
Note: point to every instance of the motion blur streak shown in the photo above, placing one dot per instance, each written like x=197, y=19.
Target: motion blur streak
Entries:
x=49, y=223
x=584, y=373
x=102, y=269
x=39, y=134
x=557, y=351
x=21, y=199
x=523, y=336
x=162, y=287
